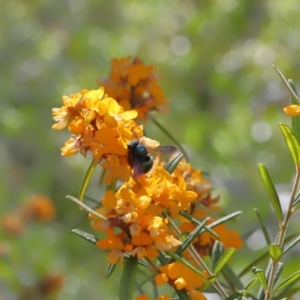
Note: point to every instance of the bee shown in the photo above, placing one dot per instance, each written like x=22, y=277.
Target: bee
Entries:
x=139, y=158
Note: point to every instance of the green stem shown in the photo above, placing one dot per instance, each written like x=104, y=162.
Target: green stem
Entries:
x=282, y=233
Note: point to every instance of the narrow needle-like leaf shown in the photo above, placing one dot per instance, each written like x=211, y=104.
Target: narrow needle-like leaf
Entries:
x=190, y=238
x=223, y=260
x=273, y=197
x=263, y=227
x=85, y=207
x=86, y=180
x=291, y=279
x=291, y=142
x=261, y=276
x=217, y=252
x=86, y=236
x=110, y=269
x=291, y=245
x=173, y=163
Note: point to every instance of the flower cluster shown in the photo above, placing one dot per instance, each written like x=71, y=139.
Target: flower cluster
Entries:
x=138, y=215
x=99, y=125
x=134, y=86
x=143, y=216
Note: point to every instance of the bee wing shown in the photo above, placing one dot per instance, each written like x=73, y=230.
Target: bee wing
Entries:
x=169, y=150
x=137, y=169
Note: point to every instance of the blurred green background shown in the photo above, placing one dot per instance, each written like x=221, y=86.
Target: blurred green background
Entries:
x=214, y=61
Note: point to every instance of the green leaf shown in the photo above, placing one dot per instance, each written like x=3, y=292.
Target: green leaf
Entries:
x=140, y=261
x=127, y=284
x=291, y=142
x=248, y=296
x=234, y=296
x=214, y=224
x=288, y=292
x=223, y=260
x=293, y=100
x=291, y=279
x=173, y=163
x=86, y=236
x=291, y=245
x=296, y=202
x=86, y=179
x=217, y=252
x=183, y=295
x=163, y=258
x=271, y=191
x=110, y=269
x=263, y=227
x=190, y=238
x=278, y=271
x=232, y=278
x=275, y=252
x=295, y=120
x=261, y=277
x=85, y=207
x=251, y=284
x=224, y=219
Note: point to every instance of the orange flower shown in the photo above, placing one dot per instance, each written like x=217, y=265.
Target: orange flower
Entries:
x=39, y=207
x=292, y=110
x=134, y=86
x=182, y=278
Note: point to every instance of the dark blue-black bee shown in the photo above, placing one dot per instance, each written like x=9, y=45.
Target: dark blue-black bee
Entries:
x=139, y=158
